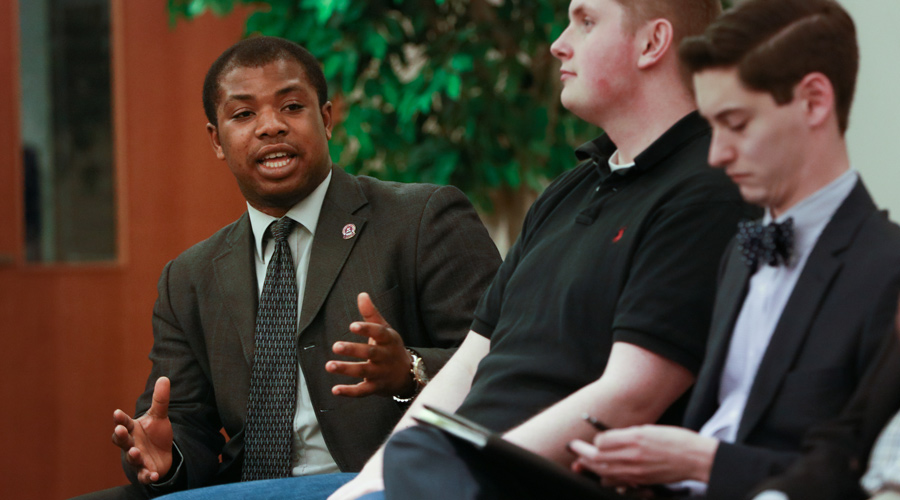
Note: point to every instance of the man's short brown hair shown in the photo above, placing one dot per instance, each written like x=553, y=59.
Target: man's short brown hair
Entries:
x=775, y=43
x=688, y=17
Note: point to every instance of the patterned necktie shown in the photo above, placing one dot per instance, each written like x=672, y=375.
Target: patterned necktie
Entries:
x=772, y=244
x=273, y=384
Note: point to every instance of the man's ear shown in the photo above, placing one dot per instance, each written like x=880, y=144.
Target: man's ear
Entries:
x=214, y=140
x=328, y=118
x=655, y=39
x=816, y=93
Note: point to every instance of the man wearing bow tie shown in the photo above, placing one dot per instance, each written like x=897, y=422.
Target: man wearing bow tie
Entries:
x=807, y=294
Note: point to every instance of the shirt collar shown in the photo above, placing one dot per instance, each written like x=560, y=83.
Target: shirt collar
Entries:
x=813, y=212
x=614, y=167
x=601, y=149
x=306, y=212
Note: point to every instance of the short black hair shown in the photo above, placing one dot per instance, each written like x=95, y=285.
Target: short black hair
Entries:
x=256, y=52
x=774, y=44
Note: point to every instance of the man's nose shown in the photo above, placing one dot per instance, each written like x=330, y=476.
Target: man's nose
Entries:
x=721, y=152
x=560, y=48
x=270, y=123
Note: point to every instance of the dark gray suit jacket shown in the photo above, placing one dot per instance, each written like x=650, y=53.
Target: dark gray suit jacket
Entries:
x=837, y=315
x=420, y=251
x=836, y=454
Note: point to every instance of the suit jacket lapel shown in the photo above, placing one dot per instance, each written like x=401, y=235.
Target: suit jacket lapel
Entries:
x=329, y=248
x=730, y=298
x=235, y=281
x=812, y=287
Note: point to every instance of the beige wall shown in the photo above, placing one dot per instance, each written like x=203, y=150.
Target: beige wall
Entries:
x=874, y=135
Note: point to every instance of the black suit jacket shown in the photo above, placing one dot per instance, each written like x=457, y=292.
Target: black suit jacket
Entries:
x=826, y=338
x=420, y=251
x=836, y=454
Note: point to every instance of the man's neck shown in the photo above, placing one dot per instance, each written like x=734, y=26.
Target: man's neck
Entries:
x=647, y=118
x=827, y=159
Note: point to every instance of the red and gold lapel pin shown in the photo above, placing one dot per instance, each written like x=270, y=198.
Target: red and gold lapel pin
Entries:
x=349, y=231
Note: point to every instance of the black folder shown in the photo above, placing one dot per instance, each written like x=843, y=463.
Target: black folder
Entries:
x=542, y=477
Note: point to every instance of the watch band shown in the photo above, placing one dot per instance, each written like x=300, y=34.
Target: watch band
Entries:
x=420, y=377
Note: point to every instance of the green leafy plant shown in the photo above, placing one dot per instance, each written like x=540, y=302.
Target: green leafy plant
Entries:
x=461, y=92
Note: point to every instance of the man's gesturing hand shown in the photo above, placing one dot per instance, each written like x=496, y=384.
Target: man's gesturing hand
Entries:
x=386, y=367
x=147, y=440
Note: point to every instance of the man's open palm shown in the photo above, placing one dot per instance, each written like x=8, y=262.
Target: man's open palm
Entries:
x=147, y=440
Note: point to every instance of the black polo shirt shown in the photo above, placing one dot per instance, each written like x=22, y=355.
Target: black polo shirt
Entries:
x=628, y=256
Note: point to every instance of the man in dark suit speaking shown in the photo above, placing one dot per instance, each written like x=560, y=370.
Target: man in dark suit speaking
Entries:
x=807, y=296
x=255, y=326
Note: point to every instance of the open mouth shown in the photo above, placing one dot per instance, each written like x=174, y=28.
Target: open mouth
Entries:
x=276, y=160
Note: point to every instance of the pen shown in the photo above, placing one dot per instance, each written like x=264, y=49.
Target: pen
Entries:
x=600, y=426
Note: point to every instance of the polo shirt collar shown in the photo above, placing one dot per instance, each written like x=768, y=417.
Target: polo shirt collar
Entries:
x=683, y=131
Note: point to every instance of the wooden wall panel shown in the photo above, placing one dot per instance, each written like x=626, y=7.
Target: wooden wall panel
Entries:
x=74, y=339
x=11, y=226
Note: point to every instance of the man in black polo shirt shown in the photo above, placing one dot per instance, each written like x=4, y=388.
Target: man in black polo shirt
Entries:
x=602, y=306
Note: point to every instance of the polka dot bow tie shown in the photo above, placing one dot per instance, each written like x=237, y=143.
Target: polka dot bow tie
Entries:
x=772, y=244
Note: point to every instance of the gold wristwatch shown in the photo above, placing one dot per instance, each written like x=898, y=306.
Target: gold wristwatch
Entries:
x=419, y=376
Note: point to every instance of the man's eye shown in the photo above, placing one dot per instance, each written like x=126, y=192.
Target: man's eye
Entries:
x=240, y=115
x=737, y=127
x=587, y=22
x=293, y=107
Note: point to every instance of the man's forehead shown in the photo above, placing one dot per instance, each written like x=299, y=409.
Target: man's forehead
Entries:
x=580, y=7
x=717, y=74
x=715, y=87
x=275, y=77
x=284, y=67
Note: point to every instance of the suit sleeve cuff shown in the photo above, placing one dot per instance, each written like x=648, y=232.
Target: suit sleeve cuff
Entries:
x=170, y=480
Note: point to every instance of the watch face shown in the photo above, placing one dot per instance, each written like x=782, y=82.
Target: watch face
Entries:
x=419, y=369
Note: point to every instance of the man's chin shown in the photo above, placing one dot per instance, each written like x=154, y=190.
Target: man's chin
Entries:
x=276, y=203
x=753, y=196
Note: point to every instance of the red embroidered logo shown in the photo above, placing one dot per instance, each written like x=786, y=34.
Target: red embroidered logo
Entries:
x=618, y=235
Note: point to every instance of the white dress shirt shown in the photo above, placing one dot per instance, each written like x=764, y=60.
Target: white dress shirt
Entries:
x=769, y=290
x=771, y=495
x=309, y=453
x=614, y=165
x=884, y=464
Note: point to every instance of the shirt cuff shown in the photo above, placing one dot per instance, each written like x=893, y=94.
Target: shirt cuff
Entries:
x=771, y=495
x=174, y=471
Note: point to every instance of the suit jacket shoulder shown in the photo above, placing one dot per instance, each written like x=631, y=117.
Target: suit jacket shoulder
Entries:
x=836, y=453
x=825, y=340
x=420, y=251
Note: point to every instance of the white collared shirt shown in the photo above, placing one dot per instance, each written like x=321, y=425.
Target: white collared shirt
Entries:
x=884, y=461
x=614, y=165
x=310, y=454
x=769, y=289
